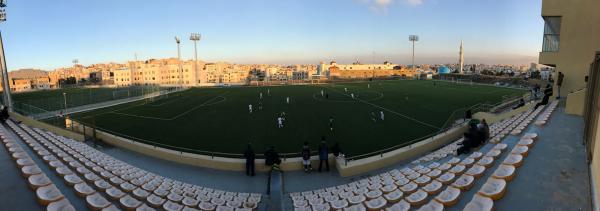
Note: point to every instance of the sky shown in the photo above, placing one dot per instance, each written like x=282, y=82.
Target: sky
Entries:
x=47, y=34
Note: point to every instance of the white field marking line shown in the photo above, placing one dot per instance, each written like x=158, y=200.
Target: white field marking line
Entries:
x=391, y=111
x=205, y=103
x=170, y=100
x=113, y=111
x=346, y=101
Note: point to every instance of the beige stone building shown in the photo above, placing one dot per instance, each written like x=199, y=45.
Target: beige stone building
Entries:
x=570, y=44
x=571, y=37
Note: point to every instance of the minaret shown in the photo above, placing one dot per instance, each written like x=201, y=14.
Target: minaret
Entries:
x=461, y=59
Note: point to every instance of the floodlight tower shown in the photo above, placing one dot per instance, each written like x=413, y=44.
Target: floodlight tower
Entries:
x=413, y=39
x=5, y=82
x=178, y=41
x=195, y=37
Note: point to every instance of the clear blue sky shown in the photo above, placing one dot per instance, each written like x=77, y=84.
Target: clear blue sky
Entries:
x=49, y=34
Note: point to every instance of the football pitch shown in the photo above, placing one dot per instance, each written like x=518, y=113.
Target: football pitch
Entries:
x=219, y=120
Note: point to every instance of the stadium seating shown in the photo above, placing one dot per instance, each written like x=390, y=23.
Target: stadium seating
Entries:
x=106, y=183
x=431, y=184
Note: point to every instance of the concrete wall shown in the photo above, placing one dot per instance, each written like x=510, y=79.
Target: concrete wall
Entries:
x=221, y=163
x=48, y=127
x=579, y=40
x=386, y=159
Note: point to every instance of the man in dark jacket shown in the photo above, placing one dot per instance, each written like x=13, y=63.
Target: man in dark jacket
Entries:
x=323, y=155
x=336, y=150
x=559, y=83
x=250, y=156
x=272, y=158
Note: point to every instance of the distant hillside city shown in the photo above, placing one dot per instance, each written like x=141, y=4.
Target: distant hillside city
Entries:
x=172, y=72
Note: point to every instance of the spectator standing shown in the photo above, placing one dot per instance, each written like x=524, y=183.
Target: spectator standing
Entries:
x=306, y=158
x=250, y=156
x=323, y=155
x=336, y=150
x=272, y=158
x=559, y=83
x=4, y=113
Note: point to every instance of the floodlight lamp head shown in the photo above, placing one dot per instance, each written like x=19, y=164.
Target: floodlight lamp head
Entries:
x=413, y=38
x=195, y=36
x=177, y=40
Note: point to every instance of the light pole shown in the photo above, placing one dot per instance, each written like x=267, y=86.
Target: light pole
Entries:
x=413, y=39
x=178, y=41
x=5, y=83
x=195, y=37
x=65, y=98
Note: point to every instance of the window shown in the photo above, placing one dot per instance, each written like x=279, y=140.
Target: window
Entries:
x=551, y=34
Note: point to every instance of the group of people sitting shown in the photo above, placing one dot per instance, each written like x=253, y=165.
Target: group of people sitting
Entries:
x=477, y=135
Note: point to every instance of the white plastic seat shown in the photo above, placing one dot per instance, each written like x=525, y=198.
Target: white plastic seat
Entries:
x=172, y=206
x=476, y=171
x=493, y=188
x=505, y=172
x=339, y=204
x=468, y=162
x=500, y=146
x=373, y=194
x=479, y=203
x=423, y=180
x=394, y=196
x=401, y=181
x=402, y=205
x=432, y=205
x=96, y=201
x=388, y=188
x=129, y=203
x=458, y=169
x=486, y=161
x=515, y=160
x=357, y=199
x=114, y=193
x=83, y=189
x=48, y=194
x=409, y=188
x=446, y=178
x=433, y=188
x=464, y=182
x=434, y=173
x=155, y=201
x=72, y=179
x=60, y=205
x=417, y=198
x=376, y=203
x=448, y=197
x=521, y=150
x=493, y=153
x=38, y=180
x=444, y=167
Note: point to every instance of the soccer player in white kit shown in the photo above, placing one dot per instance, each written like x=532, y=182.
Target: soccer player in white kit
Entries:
x=322, y=93
x=250, y=108
x=287, y=99
x=352, y=94
x=381, y=115
x=260, y=95
x=279, y=122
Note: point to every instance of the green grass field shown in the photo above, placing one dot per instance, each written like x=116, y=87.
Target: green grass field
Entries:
x=218, y=119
